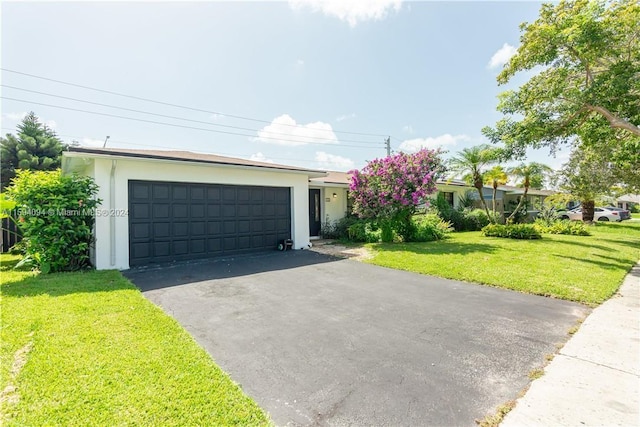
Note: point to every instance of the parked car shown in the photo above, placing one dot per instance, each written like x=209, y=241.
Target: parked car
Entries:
x=624, y=214
x=599, y=214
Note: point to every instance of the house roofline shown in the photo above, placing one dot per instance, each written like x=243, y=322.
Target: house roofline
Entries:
x=171, y=156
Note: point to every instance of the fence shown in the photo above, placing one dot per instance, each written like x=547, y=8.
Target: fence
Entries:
x=11, y=234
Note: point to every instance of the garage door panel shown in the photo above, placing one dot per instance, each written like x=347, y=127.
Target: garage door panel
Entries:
x=180, y=210
x=161, y=192
x=140, y=231
x=179, y=192
x=179, y=221
x=139, y=211
x=197, y=193
x=180, y=229
x=213, y=211
x=161, y=211
x=197, y=211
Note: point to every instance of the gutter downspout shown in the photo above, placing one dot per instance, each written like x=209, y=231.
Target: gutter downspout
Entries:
x=112, y=206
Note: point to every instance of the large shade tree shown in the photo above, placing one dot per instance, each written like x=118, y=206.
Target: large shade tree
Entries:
x=34, y=146
x=586, y=59
x=471, y=164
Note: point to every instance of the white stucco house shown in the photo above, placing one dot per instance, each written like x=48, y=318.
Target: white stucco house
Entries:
x=161, y=206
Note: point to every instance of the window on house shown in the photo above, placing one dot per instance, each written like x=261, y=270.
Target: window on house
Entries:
x=448, y=196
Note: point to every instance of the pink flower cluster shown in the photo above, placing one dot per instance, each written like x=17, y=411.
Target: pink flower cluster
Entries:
x=400, y=182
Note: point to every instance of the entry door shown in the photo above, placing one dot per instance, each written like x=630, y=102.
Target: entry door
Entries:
x=314, y=212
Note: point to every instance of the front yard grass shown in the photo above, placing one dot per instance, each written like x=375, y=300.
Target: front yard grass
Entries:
x=586, y=269
x=88, y=349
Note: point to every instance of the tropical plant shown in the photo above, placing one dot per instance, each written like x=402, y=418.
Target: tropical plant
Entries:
x=527, y=173
x=471, y=162
x=390, y=189
x=495, y=177
x=512, y=231
x=35, y=146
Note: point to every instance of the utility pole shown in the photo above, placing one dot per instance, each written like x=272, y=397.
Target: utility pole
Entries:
x=388, y=144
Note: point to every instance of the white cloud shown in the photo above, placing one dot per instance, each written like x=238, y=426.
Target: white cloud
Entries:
x=16, y=117
x=51, y=124
x=259, y=157
x=351, y=11
x=300, y=62
x=284, y=130
x=413, y=145
x=345, y=117
x=90, y=142
x=333, y=162
x=502, y=56
x=216, y=116
x=408, y=129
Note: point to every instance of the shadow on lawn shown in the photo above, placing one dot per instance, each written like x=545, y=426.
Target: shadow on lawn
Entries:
x=440, y=247
x=613, y=263
x=60, y=284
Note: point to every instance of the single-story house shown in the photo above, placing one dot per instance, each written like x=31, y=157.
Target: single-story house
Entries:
x=161, y=206
x=628, y=201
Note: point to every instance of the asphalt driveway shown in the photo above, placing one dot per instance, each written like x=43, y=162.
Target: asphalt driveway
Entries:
x=317, y=340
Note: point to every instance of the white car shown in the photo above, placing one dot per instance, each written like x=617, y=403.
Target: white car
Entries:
x=599, y=214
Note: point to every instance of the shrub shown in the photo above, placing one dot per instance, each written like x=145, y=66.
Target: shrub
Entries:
x=512, y=231
x=338, y=229
x=365, y=230
x=574, y=228
x=465, y=219
x=429, y=227
x=56, y=216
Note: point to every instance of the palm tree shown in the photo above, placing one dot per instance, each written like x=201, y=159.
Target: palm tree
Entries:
x=494, y=177
x=529, y=174
x=471, y=162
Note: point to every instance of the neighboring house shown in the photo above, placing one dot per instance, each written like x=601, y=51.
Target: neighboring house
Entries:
x=162, y=206
x=628, y=201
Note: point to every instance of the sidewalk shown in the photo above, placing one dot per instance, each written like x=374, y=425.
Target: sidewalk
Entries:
x=595, y=379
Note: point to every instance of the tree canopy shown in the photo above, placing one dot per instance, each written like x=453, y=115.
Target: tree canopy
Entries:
x=35, y=146
x=586, y=88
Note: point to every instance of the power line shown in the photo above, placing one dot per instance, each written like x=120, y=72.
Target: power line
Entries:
x=138, y=144
x=171, y=104
x=172, y=124
x=177, y=118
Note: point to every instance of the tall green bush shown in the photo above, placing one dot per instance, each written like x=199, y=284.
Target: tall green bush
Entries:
x=56, y=215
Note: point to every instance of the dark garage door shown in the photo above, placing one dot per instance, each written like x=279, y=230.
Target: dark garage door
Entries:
x=172, y=221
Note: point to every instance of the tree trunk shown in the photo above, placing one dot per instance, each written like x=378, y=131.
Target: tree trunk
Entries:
x=495, y=191
x=522, y=199
x=588, y=210
x=482, y=201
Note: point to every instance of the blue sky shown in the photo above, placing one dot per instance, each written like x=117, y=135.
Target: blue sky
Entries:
x=307, y=71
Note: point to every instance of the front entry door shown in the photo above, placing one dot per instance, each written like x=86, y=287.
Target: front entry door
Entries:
x=314, y=212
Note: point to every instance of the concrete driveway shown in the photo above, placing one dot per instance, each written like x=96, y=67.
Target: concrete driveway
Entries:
x=317, y=340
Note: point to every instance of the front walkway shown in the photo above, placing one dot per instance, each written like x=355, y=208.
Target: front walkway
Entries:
x=595, y=379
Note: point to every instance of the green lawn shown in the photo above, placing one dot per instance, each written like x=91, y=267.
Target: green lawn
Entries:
x=635, y=215
x=587, y=269
x=88, y=349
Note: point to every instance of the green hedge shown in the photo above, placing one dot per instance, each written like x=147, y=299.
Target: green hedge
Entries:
x=573, y=228
x=512, y=231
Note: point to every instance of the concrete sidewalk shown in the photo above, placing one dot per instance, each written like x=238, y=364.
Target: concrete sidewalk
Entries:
x=595, y=379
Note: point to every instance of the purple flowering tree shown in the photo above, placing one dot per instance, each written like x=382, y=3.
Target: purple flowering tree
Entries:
x=390, y=189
